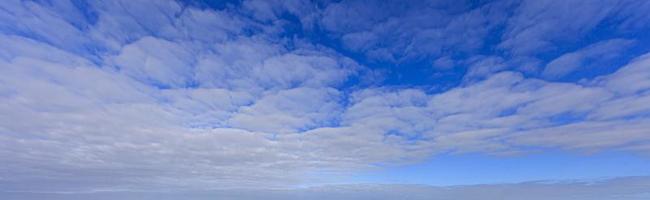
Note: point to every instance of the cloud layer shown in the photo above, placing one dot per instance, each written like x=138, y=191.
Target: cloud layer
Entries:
x=139, y=95
x=633, y=188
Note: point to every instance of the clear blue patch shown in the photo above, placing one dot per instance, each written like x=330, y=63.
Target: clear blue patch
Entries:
x=461, y=169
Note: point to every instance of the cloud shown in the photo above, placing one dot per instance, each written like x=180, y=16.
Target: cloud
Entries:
x=630, y=16
x=158, y=103
x=395, y=31
x=482, y=66
x=158, y=95
x=541, y=28
x=595, y=54
x=524, y=33
x=290, y=111
x=444, y=62
x=537, y=23
x=506, y=111
x=156, y=61
x=630, y=79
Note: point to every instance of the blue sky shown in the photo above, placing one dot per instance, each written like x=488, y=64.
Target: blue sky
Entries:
x=123, y=99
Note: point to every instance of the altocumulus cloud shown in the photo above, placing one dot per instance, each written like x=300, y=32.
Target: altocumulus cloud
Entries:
x=163, y=95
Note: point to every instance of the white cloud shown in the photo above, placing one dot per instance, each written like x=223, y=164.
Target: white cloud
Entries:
x=594, y=55
x=395, y=31
x=177, y=98
x=536, y=25
x=290, y=111
x=630, y=79
x=157, y=61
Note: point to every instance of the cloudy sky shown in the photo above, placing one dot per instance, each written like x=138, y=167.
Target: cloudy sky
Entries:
x=290, y=99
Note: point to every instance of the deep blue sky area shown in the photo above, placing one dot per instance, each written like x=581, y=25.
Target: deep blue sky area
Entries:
x=416, y=70
x=352, y=99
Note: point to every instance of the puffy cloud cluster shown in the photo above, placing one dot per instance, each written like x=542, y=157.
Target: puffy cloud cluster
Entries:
x=507, y=112
x=128, y=95
x=400, y=31
x=155, y=94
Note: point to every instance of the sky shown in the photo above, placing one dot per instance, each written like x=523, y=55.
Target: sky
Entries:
x=291, y=99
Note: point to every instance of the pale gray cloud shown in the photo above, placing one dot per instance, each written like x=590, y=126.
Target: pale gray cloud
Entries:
x=157, y=61
x=78, y=118
x=169, y=96
x=290, y=111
